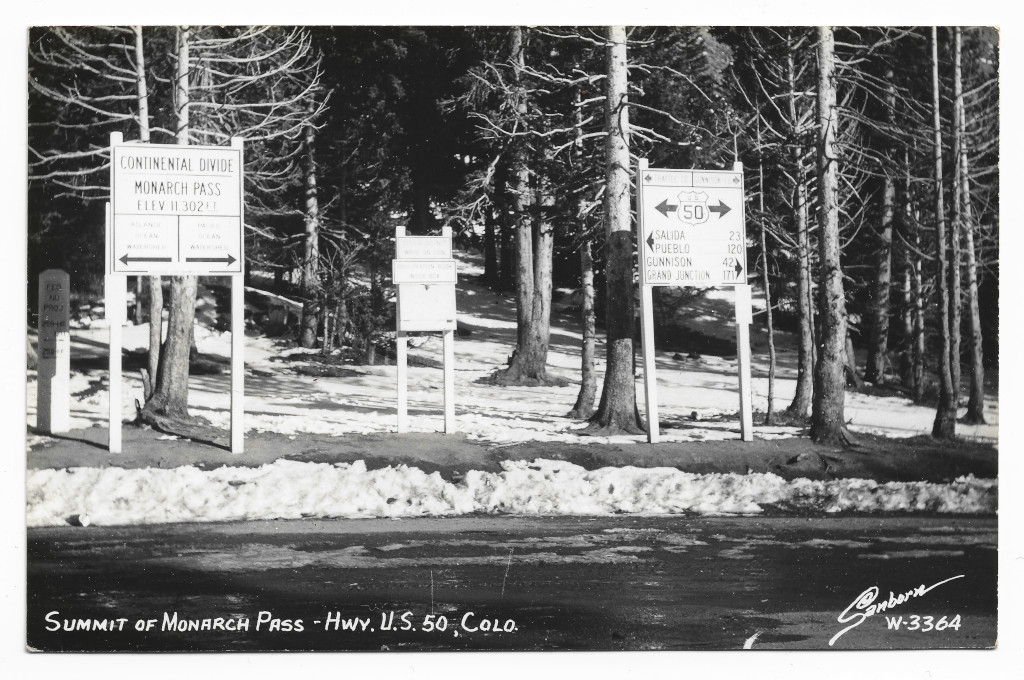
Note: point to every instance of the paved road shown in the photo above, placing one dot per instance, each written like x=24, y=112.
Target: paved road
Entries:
x=513, y=583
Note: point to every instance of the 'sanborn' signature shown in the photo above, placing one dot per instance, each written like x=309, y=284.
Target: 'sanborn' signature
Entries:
x=864, y=605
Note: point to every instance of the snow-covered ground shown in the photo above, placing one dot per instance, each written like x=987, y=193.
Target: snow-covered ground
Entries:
x=698, y=402
x=691, y=392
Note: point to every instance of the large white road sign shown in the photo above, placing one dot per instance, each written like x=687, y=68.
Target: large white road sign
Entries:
x=692, y=228
x=176, y=209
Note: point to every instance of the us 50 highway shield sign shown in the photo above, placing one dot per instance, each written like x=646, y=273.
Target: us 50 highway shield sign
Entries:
x=692, y=229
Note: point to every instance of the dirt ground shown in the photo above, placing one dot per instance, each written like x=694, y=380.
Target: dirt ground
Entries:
x=878, y=458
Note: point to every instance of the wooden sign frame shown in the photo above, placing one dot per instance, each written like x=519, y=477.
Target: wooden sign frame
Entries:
x=445, y=325
x=743, y=320
x=115, y=293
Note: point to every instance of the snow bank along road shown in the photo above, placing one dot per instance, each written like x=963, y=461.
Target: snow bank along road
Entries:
x=292, y=489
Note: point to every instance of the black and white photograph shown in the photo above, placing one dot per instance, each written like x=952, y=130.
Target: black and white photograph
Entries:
x=461, y=336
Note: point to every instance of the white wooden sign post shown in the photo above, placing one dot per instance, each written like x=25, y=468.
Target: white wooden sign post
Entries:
x=53, y=388
x=424, y=275
x=176, y=210
x=692, y=232
x=115, y=308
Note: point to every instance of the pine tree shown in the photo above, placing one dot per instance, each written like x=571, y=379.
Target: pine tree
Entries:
x=617, y=411
x=827, y=422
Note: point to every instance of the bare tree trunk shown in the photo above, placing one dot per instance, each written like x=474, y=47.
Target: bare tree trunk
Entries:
x=944, y=426
x=617, y=411
x=153, y=284
x=852, y=378
x=311, y=250
x=906, y=361
x=490, y=246
x=976, y=402
x=524, y=251
x=156, y=332
x=878, y=340
x=906, y=366
x=770, y=412
x=544, y=248
x=341, y=316
x=506, y=277
x=919, y=330
x=584, y=406
x=329, y=319
x=801, y=404
x=535, y=247
x=827, y=420
x=137, y=312
x=170, y=398
x=913, y=295
x=370, y=344
x=955, y=302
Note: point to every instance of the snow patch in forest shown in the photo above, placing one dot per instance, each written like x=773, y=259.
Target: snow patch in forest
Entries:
x=698, y=399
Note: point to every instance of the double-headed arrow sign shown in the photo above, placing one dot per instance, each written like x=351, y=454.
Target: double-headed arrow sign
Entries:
x=664, y=208
x=227, y=259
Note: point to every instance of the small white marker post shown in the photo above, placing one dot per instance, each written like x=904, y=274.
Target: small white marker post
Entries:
x=53, y=368
x=238, y=328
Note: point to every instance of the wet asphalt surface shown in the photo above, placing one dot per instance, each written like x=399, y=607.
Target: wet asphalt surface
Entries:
x=513, y=583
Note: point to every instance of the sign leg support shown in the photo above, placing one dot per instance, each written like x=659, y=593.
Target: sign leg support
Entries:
x=650, y=373
x=402, y=361
x=743, y=320
x=449, y=382
x=237, y=363
x=115, y=302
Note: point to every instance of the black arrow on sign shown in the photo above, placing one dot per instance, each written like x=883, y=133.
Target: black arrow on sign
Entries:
x=664, y=208
x=127, y=259
x=650, y=241
x=228, y=259
x=739, y=268
x=721, y=208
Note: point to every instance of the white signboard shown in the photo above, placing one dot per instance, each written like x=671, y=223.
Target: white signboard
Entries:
x=423, y=247
x=423, y=271
x=692, y=228
x=426, y=307
x=176, y=209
